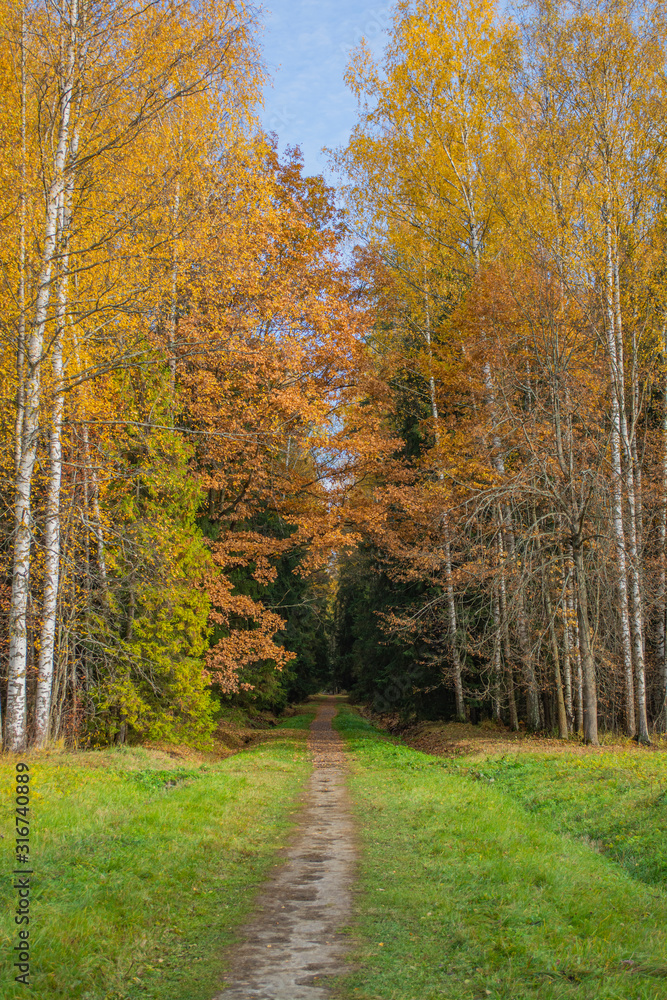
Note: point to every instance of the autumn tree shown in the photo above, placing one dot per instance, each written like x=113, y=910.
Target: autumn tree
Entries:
x=95, y=94
x=509, y=177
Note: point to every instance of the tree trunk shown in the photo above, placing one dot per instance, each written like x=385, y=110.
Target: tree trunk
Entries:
x=617, y=488
x=451, y=603
x=52, y=524
x=507, y=650
x=51, y=541
x=620, y=433
x=573, y=616
x=530, y=681
x=20, y=347
x=97, y=517
x=567, y=642
x=563, y=730
x=497, y=660
x=18, y=633
x=588, y=682
x=622, y=575
x=507, y=529
x=453, y=643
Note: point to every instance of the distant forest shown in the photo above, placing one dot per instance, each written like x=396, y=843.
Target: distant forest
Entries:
x=260, y=436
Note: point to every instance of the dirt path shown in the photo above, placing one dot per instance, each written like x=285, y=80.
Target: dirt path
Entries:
x=294, y=943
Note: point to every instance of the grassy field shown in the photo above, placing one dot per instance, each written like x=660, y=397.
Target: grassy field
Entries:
x=487, y=880
x=615, y=802
x=143, y=870
x=513, y=877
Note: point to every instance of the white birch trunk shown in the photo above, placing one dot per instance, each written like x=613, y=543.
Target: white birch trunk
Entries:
x=621, y=563
x=451, y=608
x=52, y=521
x=567, y=645
x=51, y=536
x=573, y=615
x=588, y=683
x=636, y=617
x=451, y=602
x=20, y=353
x=617, y=487
x=15, y=731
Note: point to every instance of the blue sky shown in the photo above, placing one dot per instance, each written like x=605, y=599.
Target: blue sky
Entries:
x=307, y=46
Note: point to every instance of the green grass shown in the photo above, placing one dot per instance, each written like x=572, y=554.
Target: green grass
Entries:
x=301, y=721
x=466, y=894
x=615, y=802
x=141, y=873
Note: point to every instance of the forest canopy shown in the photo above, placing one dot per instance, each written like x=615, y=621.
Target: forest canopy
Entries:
x=260, y=436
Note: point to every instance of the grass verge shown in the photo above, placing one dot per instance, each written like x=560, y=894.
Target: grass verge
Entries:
x=615, y=802
x=466, y=895
x=143, y=873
